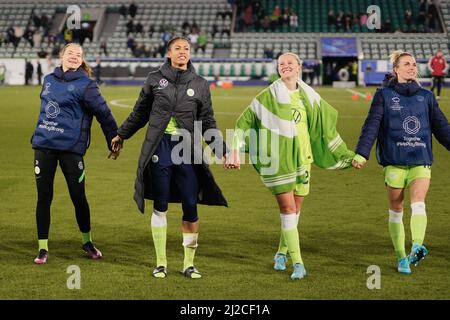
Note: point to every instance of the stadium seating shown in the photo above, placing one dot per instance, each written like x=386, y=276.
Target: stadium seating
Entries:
x=304, y=40
x=313, y=14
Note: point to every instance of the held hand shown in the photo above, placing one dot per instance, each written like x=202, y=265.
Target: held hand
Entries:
x=357, y=165
x=232, y=160
x=358, y=161
x=116, y=143
x=113, y=155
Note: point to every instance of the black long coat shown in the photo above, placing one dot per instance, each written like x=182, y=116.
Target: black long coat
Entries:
x=184, y=95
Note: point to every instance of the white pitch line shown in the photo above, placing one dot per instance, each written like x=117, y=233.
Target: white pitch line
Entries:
x=117, y=103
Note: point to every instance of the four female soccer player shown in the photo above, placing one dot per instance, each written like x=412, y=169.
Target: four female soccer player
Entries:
x=290, y=122
x=402, y=118
x=69, y=100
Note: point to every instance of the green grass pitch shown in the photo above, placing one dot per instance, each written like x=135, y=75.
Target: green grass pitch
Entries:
x=343, y=227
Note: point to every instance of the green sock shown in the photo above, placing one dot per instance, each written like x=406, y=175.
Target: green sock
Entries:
x=418, y=227
x=159, y=240
x=397, y=232
x=43, y=244
x=86, y=237
x=190, y=245
x=282, y=246
x=293, y=244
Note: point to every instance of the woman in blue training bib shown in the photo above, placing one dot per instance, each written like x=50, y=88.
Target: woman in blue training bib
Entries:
x=402, y=118
x=69, y=100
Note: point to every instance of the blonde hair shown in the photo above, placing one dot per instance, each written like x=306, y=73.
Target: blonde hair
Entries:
x=84, y=65
x=300, y=61
x=395, y=58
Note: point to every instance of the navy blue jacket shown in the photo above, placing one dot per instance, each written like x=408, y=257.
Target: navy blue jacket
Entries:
x=402, y=118
x=69, y=101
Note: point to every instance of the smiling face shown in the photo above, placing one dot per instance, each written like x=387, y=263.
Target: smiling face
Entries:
x=71, y=57
x=288, y=66
x=179, y=53
x=406, y=69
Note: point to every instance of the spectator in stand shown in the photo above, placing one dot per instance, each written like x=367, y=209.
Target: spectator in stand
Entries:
x=438, y=67
x=29, y=69
x=36, y=20
x=259, y=14
x=186, y=27
x=293, y=20
x=28, y=35
x=422, y=12
x=348, y=22
x=226, y=28
x=131, y=28
x=431, y=23
x=284, y=19
x=215, y=30
x=10, y=35
x=432, y=9
x=140, y=51
x=123, y=10
x=98, y=70
x=339, y=21
x=408, y=17
x=151, y=31
x=51, y=39
x=131, y=44
x=140, y=28
x=202, y=41
x=331, y=18
x=355, y=19
x=18, y=32
x=276, y=16
x=268, y=52
x=39, y=72
x=193, y=37
x=132, y=9
x=45, y=23
x=363, y=20
x=68, y=36
x=2, y=38
x=37, y=39
x=195, y=27
x=387, y=26
x=248, y=17
x=266, y=24
x=103, y=47
x=165, y=37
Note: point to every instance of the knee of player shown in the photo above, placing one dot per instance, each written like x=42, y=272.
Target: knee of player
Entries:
x=190, y=216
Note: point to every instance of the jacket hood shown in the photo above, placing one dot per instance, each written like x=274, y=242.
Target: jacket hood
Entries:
x=172, y=73
x=405, y=89
x=69, y=75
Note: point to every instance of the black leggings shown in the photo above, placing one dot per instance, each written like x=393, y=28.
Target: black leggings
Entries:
x=437, y=82
x=72, y=165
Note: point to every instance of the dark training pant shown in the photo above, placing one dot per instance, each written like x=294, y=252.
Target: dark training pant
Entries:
x=72, y=165
x=163, y=170
x=437, y=82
